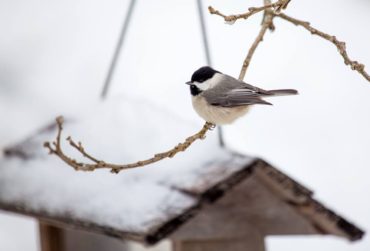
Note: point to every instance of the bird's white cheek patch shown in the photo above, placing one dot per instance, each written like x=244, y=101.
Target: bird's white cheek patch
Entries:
x=202, y=86
x=210, y=83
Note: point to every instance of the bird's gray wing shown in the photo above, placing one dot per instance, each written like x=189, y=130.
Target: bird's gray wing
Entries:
x=231, y=92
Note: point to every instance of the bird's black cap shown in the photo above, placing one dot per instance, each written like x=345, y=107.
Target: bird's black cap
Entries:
x=202, y=74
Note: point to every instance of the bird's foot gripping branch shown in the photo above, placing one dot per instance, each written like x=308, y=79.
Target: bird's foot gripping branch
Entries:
x=55, y=148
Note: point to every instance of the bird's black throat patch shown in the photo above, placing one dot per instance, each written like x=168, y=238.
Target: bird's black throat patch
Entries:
x=194, y=90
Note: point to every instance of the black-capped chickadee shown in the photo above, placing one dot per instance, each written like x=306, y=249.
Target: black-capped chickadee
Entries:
x=221, y=99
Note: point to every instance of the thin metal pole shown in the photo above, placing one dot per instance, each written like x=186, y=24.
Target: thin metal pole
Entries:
x=117, y=51
x=208, y=55
x=204, y=32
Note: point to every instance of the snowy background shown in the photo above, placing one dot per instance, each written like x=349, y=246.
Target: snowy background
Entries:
x=54, y=57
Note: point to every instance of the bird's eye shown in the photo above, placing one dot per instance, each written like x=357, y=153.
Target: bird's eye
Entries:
x=193, y=87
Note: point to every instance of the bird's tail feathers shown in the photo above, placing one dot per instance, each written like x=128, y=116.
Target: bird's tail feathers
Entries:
x=282, y=92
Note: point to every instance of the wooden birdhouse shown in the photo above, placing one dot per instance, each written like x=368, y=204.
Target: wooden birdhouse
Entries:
x=207, y=198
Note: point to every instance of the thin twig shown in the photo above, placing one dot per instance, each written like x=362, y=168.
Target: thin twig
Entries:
x=267, y=23
x=55, y=148
x=341, y=46
x=277, y=6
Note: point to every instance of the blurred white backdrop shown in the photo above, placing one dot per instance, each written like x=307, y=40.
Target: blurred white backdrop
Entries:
x=54, y=57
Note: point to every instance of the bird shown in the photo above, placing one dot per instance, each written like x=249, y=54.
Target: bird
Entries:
x=221, y=99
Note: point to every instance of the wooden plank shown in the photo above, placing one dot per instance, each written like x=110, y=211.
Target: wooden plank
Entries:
x=51, y=238
x=241, y=244
x=54, y=238
x=76, y=240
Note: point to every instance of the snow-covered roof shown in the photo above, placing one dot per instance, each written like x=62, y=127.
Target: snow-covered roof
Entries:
x=144, y=204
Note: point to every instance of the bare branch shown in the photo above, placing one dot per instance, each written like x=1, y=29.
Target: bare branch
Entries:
x=266, y=24
x=341, y=46
x=55, y=148
x=277, y=7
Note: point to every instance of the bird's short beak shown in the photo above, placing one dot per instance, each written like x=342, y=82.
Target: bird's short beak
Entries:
x=188, y=83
